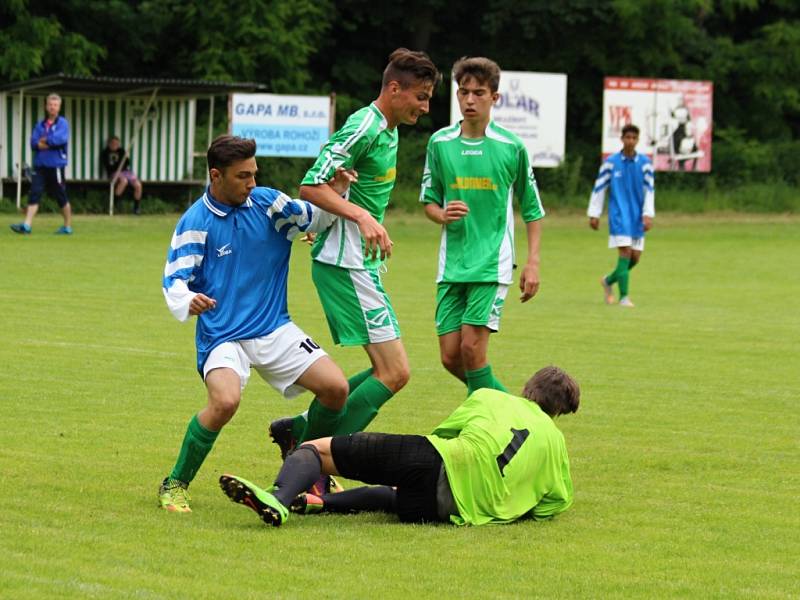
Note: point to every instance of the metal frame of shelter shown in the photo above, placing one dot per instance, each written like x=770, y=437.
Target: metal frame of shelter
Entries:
x=157, y=116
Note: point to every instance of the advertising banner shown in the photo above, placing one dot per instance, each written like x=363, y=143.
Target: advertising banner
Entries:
x=282, y=125
x=674, y=118
x=534, y=107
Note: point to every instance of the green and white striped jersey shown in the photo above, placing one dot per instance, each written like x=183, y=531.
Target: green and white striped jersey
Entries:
x=505, y=459
x=366, y=144
x=485, y=173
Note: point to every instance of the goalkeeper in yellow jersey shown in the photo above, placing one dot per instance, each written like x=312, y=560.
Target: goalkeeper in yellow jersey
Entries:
x=495, y=459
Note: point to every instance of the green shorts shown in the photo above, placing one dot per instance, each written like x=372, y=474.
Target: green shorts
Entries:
x=477, y=304
x=357, y=308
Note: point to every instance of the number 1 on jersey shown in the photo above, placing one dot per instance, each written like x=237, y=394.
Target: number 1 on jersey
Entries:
x=518, y=438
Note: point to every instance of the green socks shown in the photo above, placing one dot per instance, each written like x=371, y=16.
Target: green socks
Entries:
x=299, y=422
x=482, y=378
x=197, y=444
x=363, y=404
x=620, y=275
x=322, y=422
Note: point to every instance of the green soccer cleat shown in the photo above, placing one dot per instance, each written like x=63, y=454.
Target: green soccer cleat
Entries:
x=173, y=496
x=261, y=501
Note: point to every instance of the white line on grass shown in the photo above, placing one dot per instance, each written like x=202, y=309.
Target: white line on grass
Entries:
x=100, y=347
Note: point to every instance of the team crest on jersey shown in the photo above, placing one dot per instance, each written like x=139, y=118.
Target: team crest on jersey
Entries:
x=224, y=251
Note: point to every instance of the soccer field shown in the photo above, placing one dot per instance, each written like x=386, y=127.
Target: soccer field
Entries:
x=684, y=453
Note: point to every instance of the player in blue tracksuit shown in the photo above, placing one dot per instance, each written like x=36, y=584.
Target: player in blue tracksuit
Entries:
x=631, y=209
x=228, y=264
x=49, y=142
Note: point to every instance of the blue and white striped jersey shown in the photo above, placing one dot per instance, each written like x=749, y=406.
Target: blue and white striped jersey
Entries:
x=239, y=256
x=632, y=186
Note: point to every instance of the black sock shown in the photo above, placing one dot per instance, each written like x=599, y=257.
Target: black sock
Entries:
x=300, y=470
x=367, y=498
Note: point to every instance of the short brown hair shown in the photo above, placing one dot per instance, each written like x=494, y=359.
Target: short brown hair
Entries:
x=408, y=67
x=228, y=149
x=630, y=127
x=554, y=391
x=480, y=68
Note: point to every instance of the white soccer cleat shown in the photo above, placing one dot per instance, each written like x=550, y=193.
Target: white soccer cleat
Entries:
x=608, y=293
x=626, y=302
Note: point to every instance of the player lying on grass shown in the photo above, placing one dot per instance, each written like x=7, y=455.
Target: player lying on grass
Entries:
x=228, y=264
x=495, y=459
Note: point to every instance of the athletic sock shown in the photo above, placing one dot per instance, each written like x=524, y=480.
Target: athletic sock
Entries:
x=624, y=278
x=482, y=378
x=196, y=445
x=620, y=271
x=363, y=405
x=299, y=421
x=322, y=421
x=299, y=472
x=365, y=498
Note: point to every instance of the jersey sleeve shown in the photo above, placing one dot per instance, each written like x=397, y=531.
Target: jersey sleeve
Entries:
x=432, y=190
x=598, y=197
x=184, y=258
x=343, y=149
x=559, y=498
x=452, y=426
x=291, y=217
x=526, y=190
x=649, y=178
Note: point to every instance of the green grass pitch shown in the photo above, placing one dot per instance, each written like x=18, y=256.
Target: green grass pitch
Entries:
x=685, y=452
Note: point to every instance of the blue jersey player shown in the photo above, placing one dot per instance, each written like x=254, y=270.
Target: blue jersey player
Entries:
x=227, y=265
x=631, y=208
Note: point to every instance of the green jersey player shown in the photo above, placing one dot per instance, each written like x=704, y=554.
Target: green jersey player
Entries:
x=473, y=170
x=347, y=257
x=496, y=459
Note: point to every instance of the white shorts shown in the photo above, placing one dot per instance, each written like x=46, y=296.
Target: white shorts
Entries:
x=280, y=358
x=621, y=241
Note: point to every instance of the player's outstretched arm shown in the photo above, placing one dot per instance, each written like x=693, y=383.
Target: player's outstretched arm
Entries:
x=376, y=238
x=529, y=279
x=342, y=180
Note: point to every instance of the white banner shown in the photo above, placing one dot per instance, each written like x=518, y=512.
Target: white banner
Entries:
x=282, y=125
x=534, y=107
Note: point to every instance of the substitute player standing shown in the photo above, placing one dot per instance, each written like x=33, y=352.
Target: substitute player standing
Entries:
x=228, y=264
x=631, y=209
x=348, y=255
x=495, y=459
x=472, y=172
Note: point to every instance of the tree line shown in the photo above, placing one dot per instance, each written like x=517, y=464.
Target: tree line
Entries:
x=750, y=49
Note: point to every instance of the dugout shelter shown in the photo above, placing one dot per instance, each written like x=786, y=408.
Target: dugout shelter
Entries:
x=156, y=119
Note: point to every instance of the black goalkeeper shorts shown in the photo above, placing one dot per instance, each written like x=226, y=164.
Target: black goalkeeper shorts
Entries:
x=408, y=462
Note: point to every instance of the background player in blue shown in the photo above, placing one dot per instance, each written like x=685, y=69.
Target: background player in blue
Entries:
x=631, y=208
x=49, y=142
x=228, y=264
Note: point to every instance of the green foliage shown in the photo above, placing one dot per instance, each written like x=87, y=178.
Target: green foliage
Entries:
x=31, y=45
